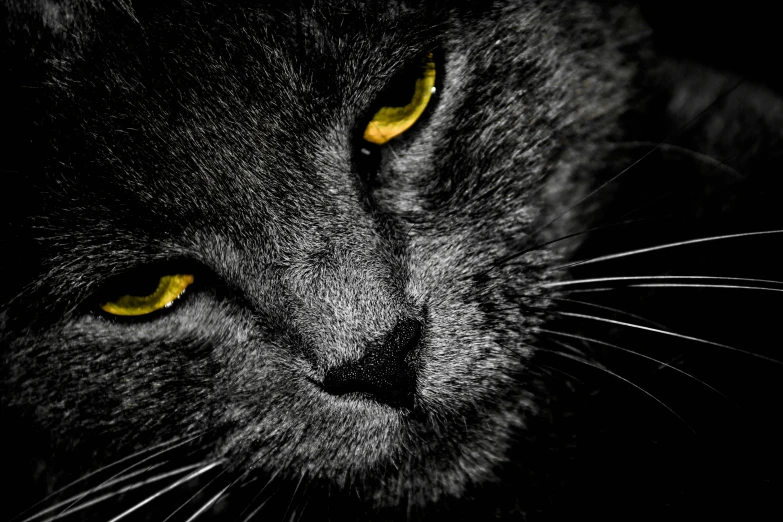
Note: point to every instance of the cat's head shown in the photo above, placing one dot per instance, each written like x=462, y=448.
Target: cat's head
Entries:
x=357, y=310
x=353, y=312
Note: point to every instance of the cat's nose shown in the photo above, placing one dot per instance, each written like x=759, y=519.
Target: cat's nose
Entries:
x=383, y=372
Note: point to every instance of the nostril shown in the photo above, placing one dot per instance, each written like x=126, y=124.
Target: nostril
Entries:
x=404, y=338
x=384, y=371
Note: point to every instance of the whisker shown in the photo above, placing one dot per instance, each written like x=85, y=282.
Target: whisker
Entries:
x=693, y=285
x=271, y=480
x=713, y=162
x=657, y=278
x=671, y=334
x=628, y=253
x=304, y=507
x=593, y=290
x=550, y=369
x=671, y=285
x=69, y=502
x=537, y=246
x=296, y=490
x=610, y=309
x=300, y=507
x=641, y=159
x=628, y=350
x=122, y=478
x=196, y=494
x=89, y=492
x=69, y=510
x=256, y=510
x=168, y=488
x=620, y=377
x=109, y=466
x=575, y=350
x=210, y=502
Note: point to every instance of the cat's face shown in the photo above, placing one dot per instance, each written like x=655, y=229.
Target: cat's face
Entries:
x=358, y=317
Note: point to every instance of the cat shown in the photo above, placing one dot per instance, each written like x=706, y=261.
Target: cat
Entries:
x=386, y=261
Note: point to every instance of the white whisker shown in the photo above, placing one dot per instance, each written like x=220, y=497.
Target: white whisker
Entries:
x=503, y=261
x=70, y=510
x=196, y=494
x=296, y=490
x=715, y=163
x=255, y=511
x=109, y=466
x=693, y=285
x=593, y=290
x=610, y=309
x=251, y=515
x=620, y=377
x=71, y=501
x=628, y=350
x=168, y=488
x=639, y=160
x=304, y=507
x=209, y=503
x=628, y=253
x=657, y=277
x=672, y=285
x=671, y=334
x=546, y=367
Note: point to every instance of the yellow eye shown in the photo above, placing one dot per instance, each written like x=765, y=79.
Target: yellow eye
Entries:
x=390, y=122
x=169, y=288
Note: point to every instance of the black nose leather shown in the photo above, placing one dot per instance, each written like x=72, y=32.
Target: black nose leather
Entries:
x=382, y=372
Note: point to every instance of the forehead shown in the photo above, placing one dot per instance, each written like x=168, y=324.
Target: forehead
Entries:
x=159, y=79
x=273, y=30
x=150, y=120
x=259, y=49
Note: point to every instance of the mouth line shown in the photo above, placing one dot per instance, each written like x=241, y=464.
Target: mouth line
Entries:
x=364, y=399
